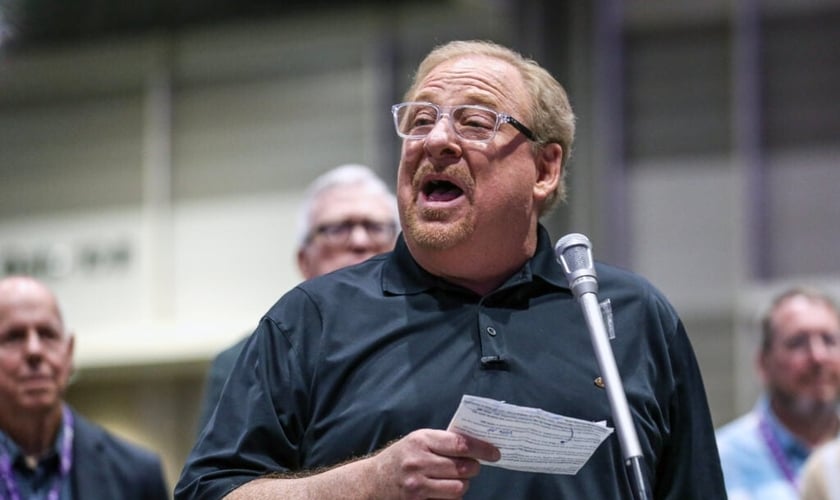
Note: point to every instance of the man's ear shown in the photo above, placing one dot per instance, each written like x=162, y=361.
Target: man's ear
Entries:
x=549, y=162
x=761, y=366
x=304, y=264
x=301, y=262
x=71, y=346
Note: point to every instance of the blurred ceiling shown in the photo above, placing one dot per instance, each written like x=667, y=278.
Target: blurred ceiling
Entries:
x=31, y=23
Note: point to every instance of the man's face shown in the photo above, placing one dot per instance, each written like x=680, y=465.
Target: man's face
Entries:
x=349, y=225
x=452, y=190
x=801, y=369
x=35, y=351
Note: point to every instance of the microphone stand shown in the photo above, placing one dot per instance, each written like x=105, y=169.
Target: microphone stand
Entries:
x=615, y=392
x=574, y=254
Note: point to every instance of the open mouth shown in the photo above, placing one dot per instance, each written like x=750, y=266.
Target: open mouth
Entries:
x=441, y=191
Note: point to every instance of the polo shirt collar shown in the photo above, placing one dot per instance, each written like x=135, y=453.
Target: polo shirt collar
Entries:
x=791, y=446
x=16, y=456
x=402, y=275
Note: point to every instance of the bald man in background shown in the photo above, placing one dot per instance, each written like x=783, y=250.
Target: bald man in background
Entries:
x=47, y=450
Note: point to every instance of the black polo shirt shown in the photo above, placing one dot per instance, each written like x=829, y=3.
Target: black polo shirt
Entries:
x=347, y=362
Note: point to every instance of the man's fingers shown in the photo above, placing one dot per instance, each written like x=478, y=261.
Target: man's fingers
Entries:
x=451, y=444
x=480, y=450
x=430, y=463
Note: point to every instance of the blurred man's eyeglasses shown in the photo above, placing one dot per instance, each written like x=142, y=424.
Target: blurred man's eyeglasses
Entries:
x=414, y=120
x=804, y=343
x=338, y=233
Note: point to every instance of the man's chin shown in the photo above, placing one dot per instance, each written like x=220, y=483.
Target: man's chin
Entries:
x=437, y=235
x=814, y=405
x=39, y=401
x=436, y=231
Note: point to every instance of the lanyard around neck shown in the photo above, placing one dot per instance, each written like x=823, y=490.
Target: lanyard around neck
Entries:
x=776, y=451
x=66, y=454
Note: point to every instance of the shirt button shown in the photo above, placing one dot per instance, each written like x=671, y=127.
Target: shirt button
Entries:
x=491, y=331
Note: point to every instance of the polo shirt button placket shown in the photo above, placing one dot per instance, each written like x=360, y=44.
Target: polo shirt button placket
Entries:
x=492, y=357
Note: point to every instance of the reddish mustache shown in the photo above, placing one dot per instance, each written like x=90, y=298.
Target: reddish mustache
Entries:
x=457, y=175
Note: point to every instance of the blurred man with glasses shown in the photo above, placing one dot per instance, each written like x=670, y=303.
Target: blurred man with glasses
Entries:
x=348, y=214
x=798, y=360
x=347, y=388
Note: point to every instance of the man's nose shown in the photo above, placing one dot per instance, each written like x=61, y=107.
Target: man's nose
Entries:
x=819, y=349
x=442, y=139
x=444, y=128
x=359, y=236
x=33, y=345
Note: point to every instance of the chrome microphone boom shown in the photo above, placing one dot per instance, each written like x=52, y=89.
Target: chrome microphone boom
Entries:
x=574, y=254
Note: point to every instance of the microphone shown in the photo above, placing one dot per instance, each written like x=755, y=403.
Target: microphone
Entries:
x=574, y=254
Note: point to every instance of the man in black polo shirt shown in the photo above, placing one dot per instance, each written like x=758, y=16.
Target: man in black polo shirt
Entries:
x=347, y=386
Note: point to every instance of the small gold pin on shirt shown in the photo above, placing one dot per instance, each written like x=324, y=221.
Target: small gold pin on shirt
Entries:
x=599, y=382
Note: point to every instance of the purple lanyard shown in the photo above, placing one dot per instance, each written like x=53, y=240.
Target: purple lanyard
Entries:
x=66, y=450
x=776, y=451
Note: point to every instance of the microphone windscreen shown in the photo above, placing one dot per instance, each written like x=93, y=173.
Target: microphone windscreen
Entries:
x=574, y=253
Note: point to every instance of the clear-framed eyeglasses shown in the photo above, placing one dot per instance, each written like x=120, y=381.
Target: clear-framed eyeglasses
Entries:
x=414, y=120
x=338, y=233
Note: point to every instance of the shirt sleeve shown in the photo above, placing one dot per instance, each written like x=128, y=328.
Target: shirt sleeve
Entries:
x=260, y=418
x=691, y=433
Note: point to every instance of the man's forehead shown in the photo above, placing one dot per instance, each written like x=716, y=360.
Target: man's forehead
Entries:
x=26, y=301
x=470, y=64
x=351, y=202
x=805, y=311
x=29, y=311
x=798, y=304
x=479, y=79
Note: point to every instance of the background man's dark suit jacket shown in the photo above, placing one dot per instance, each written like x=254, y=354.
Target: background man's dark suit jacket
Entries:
x=108, y=468
x=220, y=368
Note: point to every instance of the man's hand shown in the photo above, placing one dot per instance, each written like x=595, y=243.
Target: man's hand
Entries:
x=426, y=464
x=431, y=464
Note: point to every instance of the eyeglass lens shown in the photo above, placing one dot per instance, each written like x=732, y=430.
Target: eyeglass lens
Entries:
x=339, y=232
x=475, y=123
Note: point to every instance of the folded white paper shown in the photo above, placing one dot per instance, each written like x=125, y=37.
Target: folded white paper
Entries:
x=529, y=439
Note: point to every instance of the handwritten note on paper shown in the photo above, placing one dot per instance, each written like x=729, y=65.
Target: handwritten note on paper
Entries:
x=529, y=439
